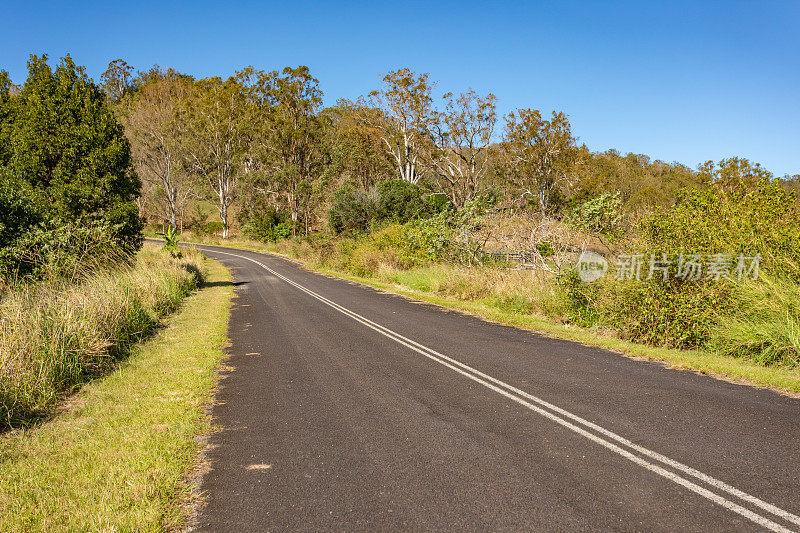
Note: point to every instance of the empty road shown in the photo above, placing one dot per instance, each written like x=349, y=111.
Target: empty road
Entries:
x=350, y=409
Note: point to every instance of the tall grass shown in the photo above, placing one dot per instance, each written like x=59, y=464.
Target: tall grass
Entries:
x=766, y=326
x=56, y=335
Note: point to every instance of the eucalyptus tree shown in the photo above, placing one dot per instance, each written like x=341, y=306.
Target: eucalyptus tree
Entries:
x=540, y=153
x=289, y=137
x=735, y=174
x=406, y=103
x=462, y=135
x=216, y=137
x=156, y=128
x=355, y=142
x=116, y=80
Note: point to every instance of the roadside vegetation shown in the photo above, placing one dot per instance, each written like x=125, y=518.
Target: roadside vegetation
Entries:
x=412, y=184
x=103, y=387
x=118, y=455
x=55, y=336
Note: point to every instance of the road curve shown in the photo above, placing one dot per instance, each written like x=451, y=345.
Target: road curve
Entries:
x=351, y=409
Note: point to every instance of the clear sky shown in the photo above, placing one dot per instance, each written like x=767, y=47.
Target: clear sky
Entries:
x=678, y=81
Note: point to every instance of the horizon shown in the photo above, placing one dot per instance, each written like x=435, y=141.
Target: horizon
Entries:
x=684, y=83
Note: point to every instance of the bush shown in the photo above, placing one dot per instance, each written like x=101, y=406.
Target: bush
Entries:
x=396, y=201
x=206, y=229
x=579, y=299
x=400, y=201
x=674, y=313
x=268, y=225
x=598, y=216
x=761, y=219
x=66, y=250
x=352, y=209
x=755, y=219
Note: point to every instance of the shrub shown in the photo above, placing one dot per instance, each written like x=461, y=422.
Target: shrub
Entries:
x=753, y=218
x=400, y=201
x=600, y=215
x=46, y=251
x=352, y=209
x=207, y=229
x=268, y=225
x=673, y=313
x=761, y=219
x=396, y=201
x=579, y=299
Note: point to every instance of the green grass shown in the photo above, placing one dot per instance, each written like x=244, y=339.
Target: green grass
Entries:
x=118, y=456
x=766, y=326
x=482, y=294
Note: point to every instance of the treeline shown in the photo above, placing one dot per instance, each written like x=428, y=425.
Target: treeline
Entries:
x=398, y=179
x=262, y=148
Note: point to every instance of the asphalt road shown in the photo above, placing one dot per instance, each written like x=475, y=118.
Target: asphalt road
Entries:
x=351, y=409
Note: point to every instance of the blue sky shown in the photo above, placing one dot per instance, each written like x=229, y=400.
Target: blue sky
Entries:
x=678, y=81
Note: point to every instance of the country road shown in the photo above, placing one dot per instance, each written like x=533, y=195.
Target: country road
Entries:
x=351, y=409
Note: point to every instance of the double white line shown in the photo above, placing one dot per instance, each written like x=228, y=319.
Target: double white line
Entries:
x=653, y=461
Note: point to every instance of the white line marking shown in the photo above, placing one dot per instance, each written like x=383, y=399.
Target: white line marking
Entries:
x=506, y=390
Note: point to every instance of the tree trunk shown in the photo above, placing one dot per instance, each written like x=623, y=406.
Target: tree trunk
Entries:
x=173, y=219
x=224, y=216
x=295, y=212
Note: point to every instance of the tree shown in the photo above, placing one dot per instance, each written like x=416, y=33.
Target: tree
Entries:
x=540, y=151
x=69, y=153
x=290, y=141
x=5, y=96
x=155, y=128
x=405, y=101
x=463, y=134
x=641, y=183
x=355, y=143
x=216, y=137
x=735, y=174
x=117, y=79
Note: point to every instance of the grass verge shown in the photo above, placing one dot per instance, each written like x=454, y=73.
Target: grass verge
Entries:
x=117, y=457
x=423, y=284
x=57, y=335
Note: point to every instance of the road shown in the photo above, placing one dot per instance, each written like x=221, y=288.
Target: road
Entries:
x=351, y=409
